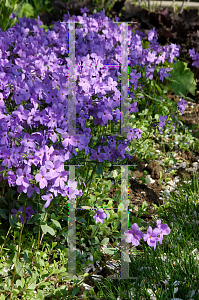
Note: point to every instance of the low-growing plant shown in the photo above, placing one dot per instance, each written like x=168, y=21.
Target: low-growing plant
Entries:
x=35, y=145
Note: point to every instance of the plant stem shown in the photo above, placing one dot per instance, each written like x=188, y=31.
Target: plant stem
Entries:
x=18, y=253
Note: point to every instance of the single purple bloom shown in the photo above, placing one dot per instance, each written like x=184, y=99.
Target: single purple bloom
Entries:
x=72, y=189
x=48, y=197
x=132, y=107
x=162, y=120
x=151, y=237
x=60, y=180
x=84, y=10
x=13, y=15
x=134, y=235
x=24, y=176
x=97, y=155
x=164, y=230
x=54, y=169
x=31, y=189
x=41, y=178
x=100, y=216
x=134, y=78
x=105, y=114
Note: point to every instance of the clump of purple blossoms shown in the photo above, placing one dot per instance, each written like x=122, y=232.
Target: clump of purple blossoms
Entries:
x=134, y=235
x=28, y=213
x=31, y=64
x=181, y=105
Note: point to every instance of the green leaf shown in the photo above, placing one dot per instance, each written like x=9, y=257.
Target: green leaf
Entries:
x=96, y=240
x=40, y=295
x=47, y=229
x=25, y=256
x=147, y=180
x=22, y=281
x=2, y=297
x=115, y=174
x=31, y=283
x=159, y=89
x=15, y=292
x=183, y=78
x=56, y=223
x=33, y=219
x=144, y=205
x=104, y=241
x=19, y=268
x=99, y=170
x=29, y=272
x=94, y=228
x=110, y=251
x=75, y=291
x=92, y=250
x=22, y=197
x=26, y=10
x=13, y=221
x=97, y=256
x=19, y=283
x=2, y=213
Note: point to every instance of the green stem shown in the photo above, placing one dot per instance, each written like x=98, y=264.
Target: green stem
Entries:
x=18, y=253
x=3, y=189
x=5, y=239
x=90, y=179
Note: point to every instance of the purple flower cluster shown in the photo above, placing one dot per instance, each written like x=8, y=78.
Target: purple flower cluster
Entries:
x=13, y=15
x=195, y=57
x=33, y=98
x=134, y=235
x=28, y=213
x=181, y=105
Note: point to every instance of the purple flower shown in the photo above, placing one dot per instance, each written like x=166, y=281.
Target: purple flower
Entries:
x=105, y=114
x=32, y=188
x=84, y=10
x=162, y=120
x=164, y=230
x=60, y=180
x=134, y=78
x=181, y=105
x=41, y=178
x=54, y=169
x=111, y=84
x=132, y=107
x=48, y=197
x=133, y=133
x=68, y=140
x=13, y=15
x=195, y=57
x=72, y=188
x=100, y=216
x=149, y=72
x=151, y=237
x=24, y=176
x=97, y=155
x=152, y=34
x=28, y=213
x=133, y=235
x=163, y=74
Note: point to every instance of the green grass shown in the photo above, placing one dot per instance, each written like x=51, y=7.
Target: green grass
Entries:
x=172, y=270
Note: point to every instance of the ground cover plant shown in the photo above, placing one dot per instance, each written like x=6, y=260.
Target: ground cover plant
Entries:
x=28, y=262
